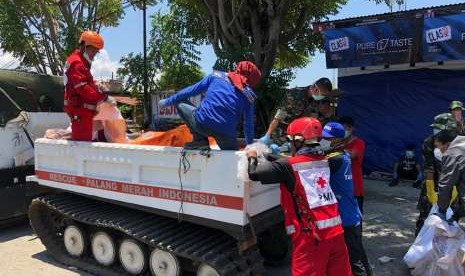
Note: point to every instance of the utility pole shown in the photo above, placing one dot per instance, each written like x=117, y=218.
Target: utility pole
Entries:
x=147, y=100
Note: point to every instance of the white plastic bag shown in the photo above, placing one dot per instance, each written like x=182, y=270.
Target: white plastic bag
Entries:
x=242, y=166
x=110, y=120
x=435, y=251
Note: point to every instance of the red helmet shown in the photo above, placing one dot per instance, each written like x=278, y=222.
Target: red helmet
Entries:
x=307, y=127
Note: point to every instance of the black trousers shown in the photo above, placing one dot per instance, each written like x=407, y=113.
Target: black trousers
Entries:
x=357, y=256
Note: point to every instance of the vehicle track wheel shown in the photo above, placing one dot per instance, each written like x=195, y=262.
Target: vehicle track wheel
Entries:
x=132, y=257
x=103, y=248
x=163, y=263
x=206, y=270
x=74, y=240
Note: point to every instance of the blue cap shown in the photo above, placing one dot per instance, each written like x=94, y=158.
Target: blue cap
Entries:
x=333, y=130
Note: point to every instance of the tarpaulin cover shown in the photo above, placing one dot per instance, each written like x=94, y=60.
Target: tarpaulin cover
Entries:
x=394, y=109
x=175, y=138
x=46, y=91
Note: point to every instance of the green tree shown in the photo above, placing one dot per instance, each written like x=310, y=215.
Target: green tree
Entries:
x=271, y=33
x=174, y=50
x=172, y=57
x=41, y=33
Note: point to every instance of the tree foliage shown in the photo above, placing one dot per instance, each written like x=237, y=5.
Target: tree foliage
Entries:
x=272, y=33
x=390, y=3
x=41, y=33
x=172, y=57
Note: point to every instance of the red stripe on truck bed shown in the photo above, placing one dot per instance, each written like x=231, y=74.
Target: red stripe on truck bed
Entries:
x=217, y=200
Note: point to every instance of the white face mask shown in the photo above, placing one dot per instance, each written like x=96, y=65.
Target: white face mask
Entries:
x=410, y=153
x=86, y=56
x=347, y=134
x=438, y=154
x=325, y=144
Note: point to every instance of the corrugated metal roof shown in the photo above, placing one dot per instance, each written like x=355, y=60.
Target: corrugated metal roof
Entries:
x=446, y=8
x=126, y=100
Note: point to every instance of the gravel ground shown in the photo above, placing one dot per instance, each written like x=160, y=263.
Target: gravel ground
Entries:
x=389, y=223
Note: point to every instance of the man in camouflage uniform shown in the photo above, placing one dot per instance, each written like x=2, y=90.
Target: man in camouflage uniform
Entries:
x=303, y=102
x=432, y=168
x=456, y=109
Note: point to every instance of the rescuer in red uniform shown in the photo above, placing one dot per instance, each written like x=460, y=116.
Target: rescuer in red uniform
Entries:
x=81, y=93
x=310, y=207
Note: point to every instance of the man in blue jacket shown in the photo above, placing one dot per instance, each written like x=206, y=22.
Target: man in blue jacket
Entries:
x=228, y=99
x=342, y=185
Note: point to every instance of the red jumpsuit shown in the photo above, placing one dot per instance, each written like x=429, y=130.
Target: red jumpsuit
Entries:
x=313, y=222
x=81, y=96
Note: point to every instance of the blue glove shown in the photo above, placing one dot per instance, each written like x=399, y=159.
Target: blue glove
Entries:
x=275, y=149
x=162, y=103
x=265, y=139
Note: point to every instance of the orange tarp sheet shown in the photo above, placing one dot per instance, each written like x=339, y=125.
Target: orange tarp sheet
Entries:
x=174, y=137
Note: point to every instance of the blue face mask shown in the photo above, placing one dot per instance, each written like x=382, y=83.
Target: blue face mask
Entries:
x=318, y=97
x=436, y=131
x=347, y=134
x=410, y=153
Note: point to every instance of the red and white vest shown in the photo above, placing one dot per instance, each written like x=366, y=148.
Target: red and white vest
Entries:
x=312, y=206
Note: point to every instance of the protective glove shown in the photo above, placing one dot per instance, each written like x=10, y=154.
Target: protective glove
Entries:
x=162, y=103
x=265, y=139
x=275, y=149
x=430, y=192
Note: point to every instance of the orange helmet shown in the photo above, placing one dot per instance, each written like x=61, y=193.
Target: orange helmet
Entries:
x=307, y=127
x=91, y=38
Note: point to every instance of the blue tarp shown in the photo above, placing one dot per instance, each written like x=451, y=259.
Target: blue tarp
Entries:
x=394, y=109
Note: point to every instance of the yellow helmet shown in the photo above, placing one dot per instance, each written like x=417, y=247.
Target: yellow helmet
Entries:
x=91, y=38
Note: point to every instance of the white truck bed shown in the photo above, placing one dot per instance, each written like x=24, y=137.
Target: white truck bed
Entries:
x=150, y=177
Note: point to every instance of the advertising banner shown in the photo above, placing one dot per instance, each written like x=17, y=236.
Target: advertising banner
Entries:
x=444, y=38
x=389, y=42
x=165, y=118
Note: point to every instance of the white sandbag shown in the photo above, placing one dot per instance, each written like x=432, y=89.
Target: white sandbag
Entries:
x=109, y=119
x=242, y=170
x=435, y=251
x=108, y=111
x=424, y=241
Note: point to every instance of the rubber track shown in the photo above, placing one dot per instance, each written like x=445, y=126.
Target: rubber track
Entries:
x=50, y=214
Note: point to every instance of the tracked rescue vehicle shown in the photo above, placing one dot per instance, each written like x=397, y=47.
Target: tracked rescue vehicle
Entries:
x=125, y=209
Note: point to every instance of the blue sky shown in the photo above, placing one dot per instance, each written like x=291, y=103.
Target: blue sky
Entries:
x=127, y=37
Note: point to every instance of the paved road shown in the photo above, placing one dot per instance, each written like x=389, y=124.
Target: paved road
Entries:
x=388, y=230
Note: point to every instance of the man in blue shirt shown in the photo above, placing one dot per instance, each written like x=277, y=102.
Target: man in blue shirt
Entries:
x=342, y=185
x=228, y=99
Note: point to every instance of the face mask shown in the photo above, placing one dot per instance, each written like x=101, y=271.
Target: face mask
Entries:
x=409, y=153
x=86, y=56
x=347, y=134
x=436, y=131
x=318, y=97
x=438, y=154
x=325, y=144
